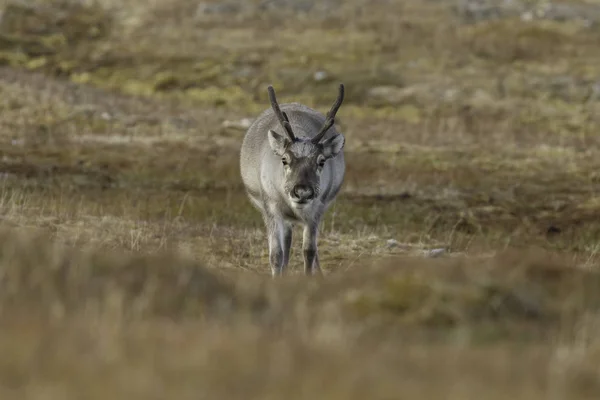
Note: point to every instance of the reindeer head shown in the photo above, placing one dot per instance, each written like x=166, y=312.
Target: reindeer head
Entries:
x=303, y=158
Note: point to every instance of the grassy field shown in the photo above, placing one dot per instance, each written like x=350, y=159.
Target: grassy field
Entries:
x=132, y=265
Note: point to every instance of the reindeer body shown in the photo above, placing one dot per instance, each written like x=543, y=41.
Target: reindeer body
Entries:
x=292, y=177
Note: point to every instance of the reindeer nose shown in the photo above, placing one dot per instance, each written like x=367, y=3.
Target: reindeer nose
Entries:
x=302, y=192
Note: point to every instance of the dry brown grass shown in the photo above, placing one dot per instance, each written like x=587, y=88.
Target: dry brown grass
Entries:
x=95, y=325
x=133, y=266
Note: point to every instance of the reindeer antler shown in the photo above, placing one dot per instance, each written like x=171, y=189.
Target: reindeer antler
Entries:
x=330, y=116
x=282, y=117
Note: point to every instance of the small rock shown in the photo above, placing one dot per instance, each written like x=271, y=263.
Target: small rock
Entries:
x=433, y=253
x=320, y=76
x=527, y=16
x=392, y=95
x=241, y=124
x=391, y=243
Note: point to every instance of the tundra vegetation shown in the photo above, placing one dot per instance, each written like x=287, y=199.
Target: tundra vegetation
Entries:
x=133, y=265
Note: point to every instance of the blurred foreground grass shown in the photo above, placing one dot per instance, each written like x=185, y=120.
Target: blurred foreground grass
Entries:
x=95, y=325
x=133, y=266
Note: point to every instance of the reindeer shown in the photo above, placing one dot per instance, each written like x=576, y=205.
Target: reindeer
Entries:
x=292, y=166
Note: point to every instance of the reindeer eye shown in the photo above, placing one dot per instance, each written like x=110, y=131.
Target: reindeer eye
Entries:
x=321, y=162
x=284, y=160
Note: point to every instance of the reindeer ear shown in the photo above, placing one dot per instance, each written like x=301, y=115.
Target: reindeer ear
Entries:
x=278, y=142
x=333, y=145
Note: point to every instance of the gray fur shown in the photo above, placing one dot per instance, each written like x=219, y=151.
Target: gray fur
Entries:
x=277, y=190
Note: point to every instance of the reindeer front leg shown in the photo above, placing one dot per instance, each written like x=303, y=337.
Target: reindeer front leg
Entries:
x=309, y=247
x=275, y=233
x=287, y=243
